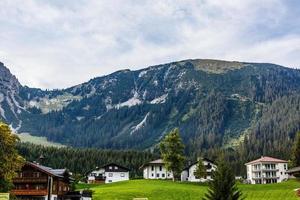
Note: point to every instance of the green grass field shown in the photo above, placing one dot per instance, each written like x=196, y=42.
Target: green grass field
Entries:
x=26, y=137
x=167, y=190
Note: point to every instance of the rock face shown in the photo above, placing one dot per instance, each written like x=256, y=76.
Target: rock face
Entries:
x=213, y=103
x=11, y=105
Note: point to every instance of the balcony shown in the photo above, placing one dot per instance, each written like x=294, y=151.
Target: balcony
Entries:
x=270, y=169
x=270, y=177
x=30, y=180
x=30, y=192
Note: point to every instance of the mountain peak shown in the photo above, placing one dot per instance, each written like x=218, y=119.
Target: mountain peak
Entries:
x=7, y=79
x=214, y=66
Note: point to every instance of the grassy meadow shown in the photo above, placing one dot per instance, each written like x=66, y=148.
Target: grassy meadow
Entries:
x=167, y=190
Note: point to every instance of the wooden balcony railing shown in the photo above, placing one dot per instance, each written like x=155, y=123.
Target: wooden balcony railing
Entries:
x=30, y=180
x=30, y=192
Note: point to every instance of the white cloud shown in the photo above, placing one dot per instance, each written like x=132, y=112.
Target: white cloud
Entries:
x=54, y=44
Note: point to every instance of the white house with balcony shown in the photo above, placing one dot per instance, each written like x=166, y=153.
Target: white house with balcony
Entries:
x=188, y=174
x=109, y=173
x=156, y=170
x=267, y=170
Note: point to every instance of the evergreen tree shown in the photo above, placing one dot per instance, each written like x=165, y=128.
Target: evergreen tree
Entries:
x=171, y=148
x=10, y=161
x=200, y=170
x=223, y=185
x=296, y=151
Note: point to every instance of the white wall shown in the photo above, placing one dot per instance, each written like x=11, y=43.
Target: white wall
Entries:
x=281, y=172
x=189, y=175
x=158, y=172
x=112, y=177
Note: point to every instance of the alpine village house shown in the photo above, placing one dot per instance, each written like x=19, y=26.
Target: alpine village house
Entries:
x=39, y=182
x=188, y=174
x=156, y=170
x=108, y=174
x=267, y=170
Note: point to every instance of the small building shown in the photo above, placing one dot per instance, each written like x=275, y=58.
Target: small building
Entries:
x=108, y=174
x=294, y=172
x=156, y=170
x=188, y=174
x=36, y=181
x=267, y=170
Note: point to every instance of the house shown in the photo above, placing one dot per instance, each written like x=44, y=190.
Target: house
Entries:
x=108, y=174
x=188, y=174
x=156, y=170
x=267, y=170
x=36, y=181
x=294, y=172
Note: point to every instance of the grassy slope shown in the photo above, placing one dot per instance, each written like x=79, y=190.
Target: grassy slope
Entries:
x=166, y=190
x=26, y=137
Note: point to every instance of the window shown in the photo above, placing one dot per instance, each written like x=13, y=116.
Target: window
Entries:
x=109, y=181
x=152, y=168
x=168, y=175
x=160, y=168
x=122, y=174
x=285, y=167
x=110, y=174
x=163, y=175
x=281, y=173
x=157, y=175
x=152, y=174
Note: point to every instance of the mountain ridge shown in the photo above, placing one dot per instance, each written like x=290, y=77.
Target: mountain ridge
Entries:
x=212, y=102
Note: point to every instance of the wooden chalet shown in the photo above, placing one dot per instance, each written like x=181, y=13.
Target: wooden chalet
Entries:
x=37, y=182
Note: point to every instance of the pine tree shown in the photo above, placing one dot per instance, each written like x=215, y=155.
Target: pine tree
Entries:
x=172, y=151
x=200, y=170
x=296, y=151
x=223, y=185
x=10, y=161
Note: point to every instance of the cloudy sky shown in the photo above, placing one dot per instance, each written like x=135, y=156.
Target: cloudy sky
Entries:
x=57, y=44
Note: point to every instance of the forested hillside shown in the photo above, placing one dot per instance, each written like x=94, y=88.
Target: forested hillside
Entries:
x=214, y=103
x=82, y=161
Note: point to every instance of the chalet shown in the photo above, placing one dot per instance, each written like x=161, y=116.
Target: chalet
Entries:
x=108, y=174
x=39, y=182
x=156, y=170
x=267, y=170
x=188, y=174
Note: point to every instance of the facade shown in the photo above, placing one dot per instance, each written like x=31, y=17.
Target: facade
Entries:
x=156, y=170
x=188, y=173
x=108, y=174
x=39, y=182
x=267, y=170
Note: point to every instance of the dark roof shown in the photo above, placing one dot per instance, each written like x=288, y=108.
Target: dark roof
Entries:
x=106, y=168
x=48, y=170
x=120, y=168
x=194, y=163
x=294, y=170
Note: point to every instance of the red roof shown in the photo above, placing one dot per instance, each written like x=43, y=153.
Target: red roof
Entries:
x=267, y=159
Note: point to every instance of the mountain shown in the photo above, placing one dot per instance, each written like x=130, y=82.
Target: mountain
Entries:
x=214, y=103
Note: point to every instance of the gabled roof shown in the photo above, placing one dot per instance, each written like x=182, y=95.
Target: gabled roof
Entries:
x=266, y=159
x=48, y=170
x=196, y=162
x=120, y=168
x=158, y=161
x=155, y=162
